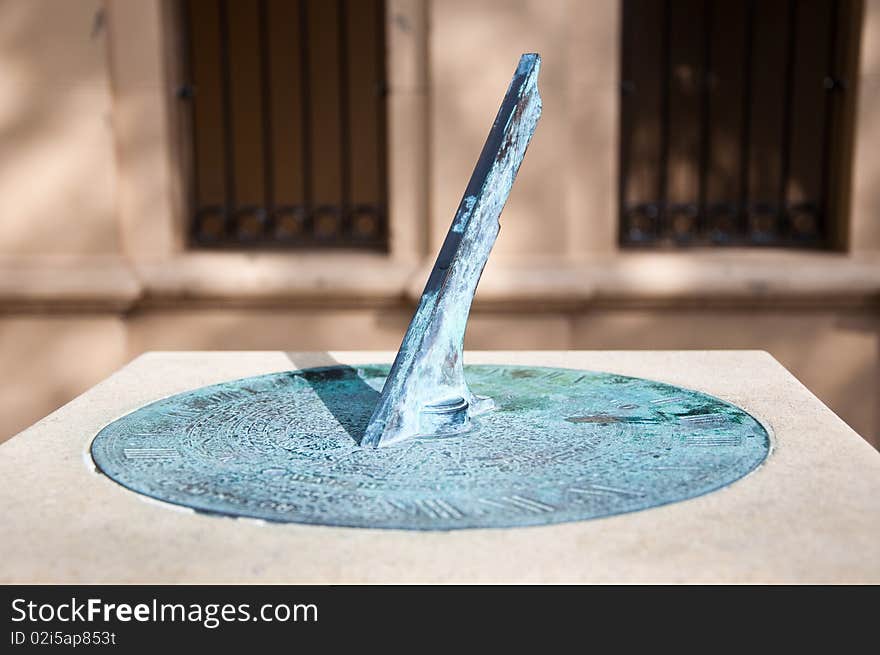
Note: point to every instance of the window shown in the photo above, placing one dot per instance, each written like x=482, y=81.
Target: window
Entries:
x=732, y=121
x=285, y=102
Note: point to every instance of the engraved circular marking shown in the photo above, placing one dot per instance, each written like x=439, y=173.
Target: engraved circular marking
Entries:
x=562, y=445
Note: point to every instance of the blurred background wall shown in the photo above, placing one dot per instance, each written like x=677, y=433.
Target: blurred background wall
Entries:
x=279, y=175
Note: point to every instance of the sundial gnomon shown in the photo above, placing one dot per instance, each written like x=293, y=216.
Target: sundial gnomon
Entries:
x=430, y=443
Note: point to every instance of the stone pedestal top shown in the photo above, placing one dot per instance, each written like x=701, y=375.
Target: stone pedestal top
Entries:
x=810, y=513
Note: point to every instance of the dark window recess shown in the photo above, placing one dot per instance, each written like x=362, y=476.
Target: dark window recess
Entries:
x=286, y=102
x=731, y=118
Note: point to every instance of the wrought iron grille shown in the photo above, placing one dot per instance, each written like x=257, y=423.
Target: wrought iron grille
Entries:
x=286, y=111
x=731, y=121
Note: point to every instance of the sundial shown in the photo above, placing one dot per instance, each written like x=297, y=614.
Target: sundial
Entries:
x=430, y=443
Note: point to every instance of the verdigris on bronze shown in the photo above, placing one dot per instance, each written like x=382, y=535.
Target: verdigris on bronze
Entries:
x=469, y=446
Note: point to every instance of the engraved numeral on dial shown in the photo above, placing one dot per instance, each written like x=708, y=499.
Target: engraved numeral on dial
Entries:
x=433, y=508
x=150, y=453
x=519, y=503
x=702, y=419
x=666, y=401
x=713, y=440
x=601, y=490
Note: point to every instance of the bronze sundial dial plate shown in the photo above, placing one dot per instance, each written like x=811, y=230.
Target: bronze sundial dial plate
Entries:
x=561, y=445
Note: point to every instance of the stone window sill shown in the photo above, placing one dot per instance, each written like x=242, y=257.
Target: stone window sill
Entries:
x=740, y=278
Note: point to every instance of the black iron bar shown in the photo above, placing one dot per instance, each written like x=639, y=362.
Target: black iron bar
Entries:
x=344, y=126
x=186, y=47
x=660, y=227
x=831, y=81
x=746, y=123
x=382, y=209
x=626, y=101
x=228, y=145
x=306, y=124
x=782, y=223
x=266, y=118
x=708, y=19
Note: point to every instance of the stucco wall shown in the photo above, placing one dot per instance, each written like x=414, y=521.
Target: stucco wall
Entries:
x=57, y=173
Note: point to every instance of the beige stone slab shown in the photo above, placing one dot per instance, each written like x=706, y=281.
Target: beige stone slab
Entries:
x=811, y=513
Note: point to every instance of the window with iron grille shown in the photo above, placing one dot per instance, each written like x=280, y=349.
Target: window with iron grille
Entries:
x=734, y=126
x=285, y=101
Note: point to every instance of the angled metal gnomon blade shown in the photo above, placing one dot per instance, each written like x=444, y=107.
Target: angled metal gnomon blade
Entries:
x=426, y=393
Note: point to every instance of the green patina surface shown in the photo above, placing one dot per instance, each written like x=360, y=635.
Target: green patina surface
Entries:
x=562, y=445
